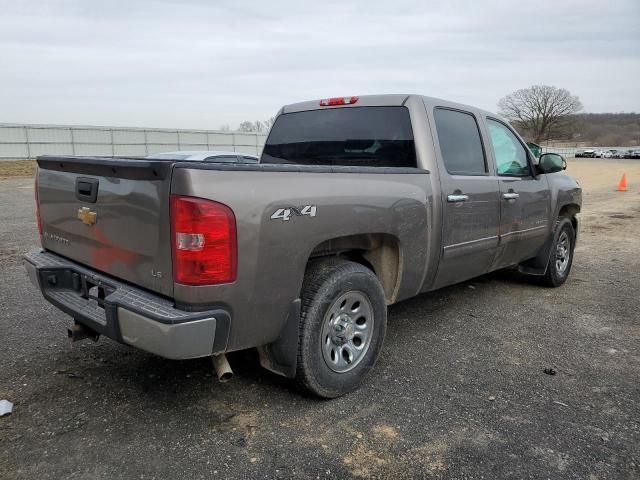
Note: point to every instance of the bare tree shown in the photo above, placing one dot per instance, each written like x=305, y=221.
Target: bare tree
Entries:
x=268, y=123
x=539, y=109
x=247, y=126
x=257, y=126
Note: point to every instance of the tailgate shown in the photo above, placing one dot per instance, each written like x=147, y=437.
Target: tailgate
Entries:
x=111, y=214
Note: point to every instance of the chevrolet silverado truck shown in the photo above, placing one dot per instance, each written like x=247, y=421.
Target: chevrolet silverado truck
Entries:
x=357, y=203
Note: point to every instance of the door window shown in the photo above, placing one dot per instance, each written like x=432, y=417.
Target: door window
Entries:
x=511, y=156
x=460, y=142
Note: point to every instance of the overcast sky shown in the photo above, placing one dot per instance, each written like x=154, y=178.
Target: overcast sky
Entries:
x=202, y=64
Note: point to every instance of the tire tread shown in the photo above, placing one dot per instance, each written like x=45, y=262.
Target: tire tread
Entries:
x=317, y=273
x=549, y=279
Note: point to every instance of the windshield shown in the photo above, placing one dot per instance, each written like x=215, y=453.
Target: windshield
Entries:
x=354, y=136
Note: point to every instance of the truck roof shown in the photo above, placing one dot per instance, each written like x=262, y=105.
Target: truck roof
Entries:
x=385, y=100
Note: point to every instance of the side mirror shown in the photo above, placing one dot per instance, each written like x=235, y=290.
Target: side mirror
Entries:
x=551, y=163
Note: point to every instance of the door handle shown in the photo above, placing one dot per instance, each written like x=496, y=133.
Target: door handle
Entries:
x=510, y=196
x=457, y=198
x=87, y=189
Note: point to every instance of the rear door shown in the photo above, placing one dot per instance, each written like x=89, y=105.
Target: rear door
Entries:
x=525, y=201
x=470, y=198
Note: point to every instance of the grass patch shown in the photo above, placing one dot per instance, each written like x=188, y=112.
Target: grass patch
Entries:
x=17, y=168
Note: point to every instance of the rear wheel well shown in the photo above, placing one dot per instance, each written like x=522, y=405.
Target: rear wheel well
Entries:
x=379, y=252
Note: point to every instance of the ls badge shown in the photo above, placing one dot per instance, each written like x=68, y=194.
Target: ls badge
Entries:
x=87, y=216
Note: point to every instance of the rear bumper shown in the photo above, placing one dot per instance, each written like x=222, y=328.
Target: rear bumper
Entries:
x=125, y=313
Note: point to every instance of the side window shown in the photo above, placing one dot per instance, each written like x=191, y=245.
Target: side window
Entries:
x=511, y=156
x=222, y=159
x=460, y=142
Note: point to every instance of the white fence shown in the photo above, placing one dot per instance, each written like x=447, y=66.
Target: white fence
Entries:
x=29, y=141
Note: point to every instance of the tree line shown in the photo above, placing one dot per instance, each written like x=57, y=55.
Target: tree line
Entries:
x=544, y=113
x=258, y=126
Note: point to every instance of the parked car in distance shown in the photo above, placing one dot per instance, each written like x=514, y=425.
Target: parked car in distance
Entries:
x=357, y=203
x=616, y=153
x=635, y=153
x=608, y=153
x=589, y=153
x=213, y=156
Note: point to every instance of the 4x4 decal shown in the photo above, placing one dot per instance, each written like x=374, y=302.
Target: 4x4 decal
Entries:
x=288, y=212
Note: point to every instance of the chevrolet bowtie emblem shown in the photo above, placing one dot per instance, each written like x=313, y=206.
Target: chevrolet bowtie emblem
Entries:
x=87, y=216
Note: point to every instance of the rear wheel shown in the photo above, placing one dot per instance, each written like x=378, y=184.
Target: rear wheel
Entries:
x=343, y=323
x=561, y=257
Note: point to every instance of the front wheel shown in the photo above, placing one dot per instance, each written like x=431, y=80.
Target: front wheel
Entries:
x=561, y=257
x=343, y=323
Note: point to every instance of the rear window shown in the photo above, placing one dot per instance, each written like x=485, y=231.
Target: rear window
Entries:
x=354, y=136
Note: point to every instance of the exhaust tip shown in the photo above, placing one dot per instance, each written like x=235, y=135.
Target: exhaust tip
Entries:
x=222, y=368
x=79, y=332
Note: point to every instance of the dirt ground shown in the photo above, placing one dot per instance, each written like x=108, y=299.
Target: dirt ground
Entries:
x=603, y=207
x=459, y=390
x=17, y=168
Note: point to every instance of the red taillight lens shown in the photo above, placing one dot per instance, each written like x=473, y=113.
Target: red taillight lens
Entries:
x=38, y=218
x=330, y=102
x=203, y=236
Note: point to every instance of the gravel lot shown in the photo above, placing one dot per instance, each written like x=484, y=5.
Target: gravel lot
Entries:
x=459, y=391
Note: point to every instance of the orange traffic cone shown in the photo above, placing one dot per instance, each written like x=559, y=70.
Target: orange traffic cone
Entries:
x=622, y=186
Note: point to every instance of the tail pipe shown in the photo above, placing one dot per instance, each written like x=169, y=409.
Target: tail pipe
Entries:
x=222, y=367
x=79, y=332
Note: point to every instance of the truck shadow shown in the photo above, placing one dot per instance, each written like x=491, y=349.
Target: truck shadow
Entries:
x=153, y=377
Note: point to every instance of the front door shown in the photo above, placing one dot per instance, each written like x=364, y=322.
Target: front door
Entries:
x=525, y=201
x=470, y=199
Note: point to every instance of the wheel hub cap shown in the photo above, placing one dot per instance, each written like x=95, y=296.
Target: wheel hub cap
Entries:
x=563, y=253
x=343, y=330
x=347, y=331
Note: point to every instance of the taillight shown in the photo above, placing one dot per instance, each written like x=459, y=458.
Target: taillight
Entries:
x=330, y=102
x=38, y=218
x=203, y=238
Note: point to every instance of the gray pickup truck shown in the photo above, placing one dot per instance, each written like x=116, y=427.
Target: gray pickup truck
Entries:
x=357, y=203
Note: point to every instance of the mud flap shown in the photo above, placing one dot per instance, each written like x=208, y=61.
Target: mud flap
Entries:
x=538, y=264
x=281, y=356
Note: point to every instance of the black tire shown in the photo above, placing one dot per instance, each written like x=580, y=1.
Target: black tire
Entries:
x=556, y=276
x=325, y=282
